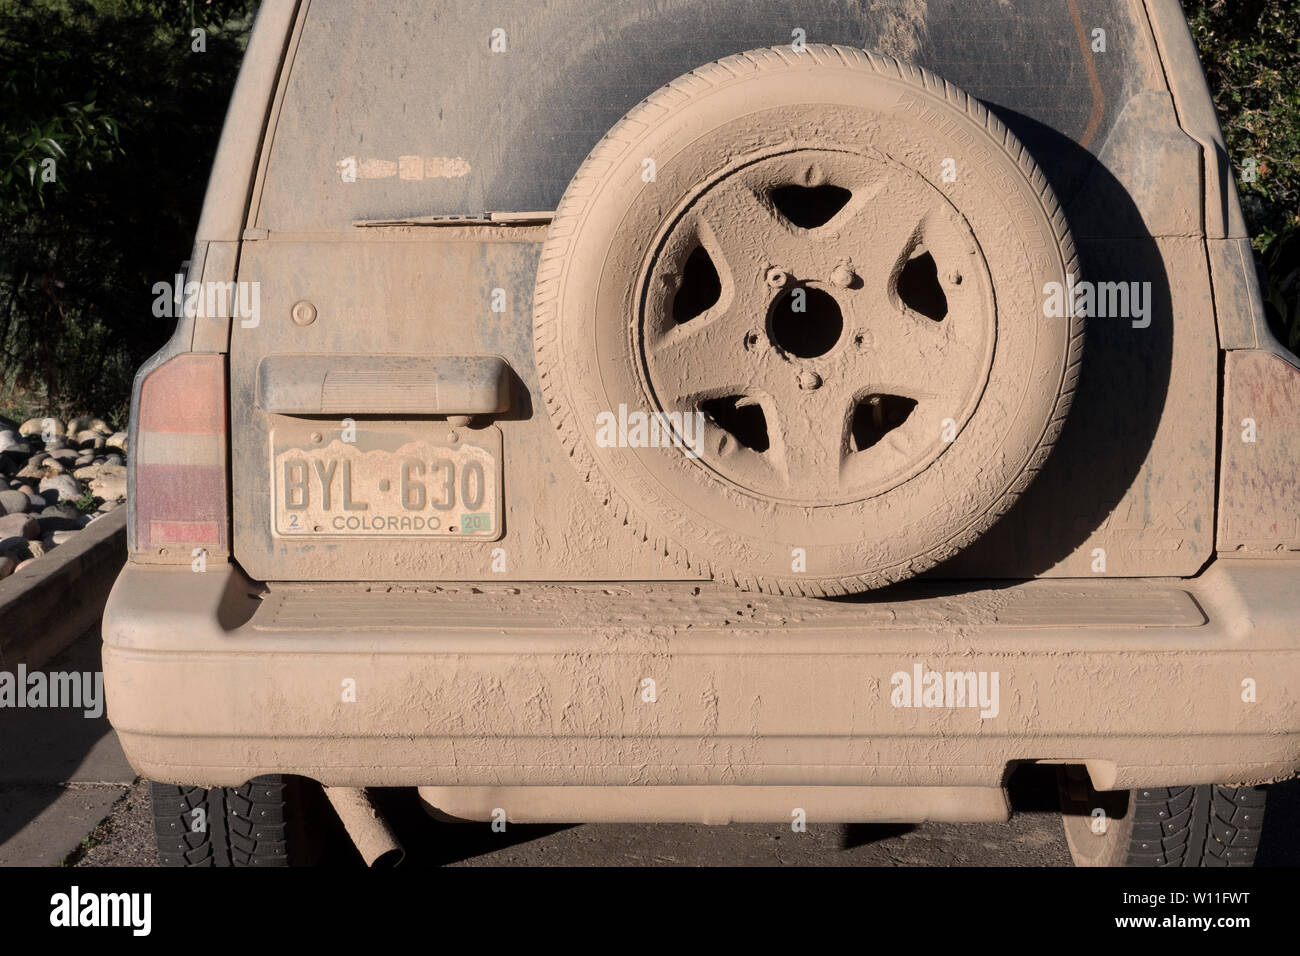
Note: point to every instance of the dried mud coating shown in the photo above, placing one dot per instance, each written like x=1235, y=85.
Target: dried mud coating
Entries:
x=836, y=261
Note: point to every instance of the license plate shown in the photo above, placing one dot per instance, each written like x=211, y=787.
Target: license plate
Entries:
x=390, y=484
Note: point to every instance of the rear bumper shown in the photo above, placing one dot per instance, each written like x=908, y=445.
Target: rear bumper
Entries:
x=212, y=680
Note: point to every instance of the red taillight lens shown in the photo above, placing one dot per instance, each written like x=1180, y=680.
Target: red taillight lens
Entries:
x=179, y=493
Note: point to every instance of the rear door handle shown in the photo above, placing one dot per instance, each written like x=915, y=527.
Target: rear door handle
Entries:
x=383, y=384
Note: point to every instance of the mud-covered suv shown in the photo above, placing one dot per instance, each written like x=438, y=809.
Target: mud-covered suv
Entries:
x=716, y=410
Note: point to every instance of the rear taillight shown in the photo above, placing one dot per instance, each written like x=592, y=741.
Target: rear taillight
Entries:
x=179, y=493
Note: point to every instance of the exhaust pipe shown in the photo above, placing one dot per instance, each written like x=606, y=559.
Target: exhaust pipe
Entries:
x=369, y=830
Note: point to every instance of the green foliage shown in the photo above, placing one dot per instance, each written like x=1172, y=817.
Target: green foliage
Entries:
x=1251, y=53
x=90, y=135
x=113, y=93
x=1281, y=268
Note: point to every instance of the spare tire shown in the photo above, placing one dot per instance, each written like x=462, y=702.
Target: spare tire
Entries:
x=789, y=320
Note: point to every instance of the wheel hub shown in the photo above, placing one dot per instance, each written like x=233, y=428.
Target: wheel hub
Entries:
x=838, y=297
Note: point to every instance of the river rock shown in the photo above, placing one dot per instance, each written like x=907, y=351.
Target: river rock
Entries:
x=19, y=526
x=89, y=438
x=14, y=502
x=100, y=470
x=109, y=487
x=35, y=427
x=60, y=488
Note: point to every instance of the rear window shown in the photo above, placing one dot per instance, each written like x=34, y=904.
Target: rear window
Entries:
x=413, y=100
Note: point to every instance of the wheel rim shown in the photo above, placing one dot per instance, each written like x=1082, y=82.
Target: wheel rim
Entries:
x=828, y=312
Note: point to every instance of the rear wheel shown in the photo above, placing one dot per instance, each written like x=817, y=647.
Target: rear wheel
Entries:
x=1161, y=826
x=263, y=823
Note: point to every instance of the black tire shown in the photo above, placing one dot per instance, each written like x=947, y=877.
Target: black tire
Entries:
x=1206, y=825
x=266, y=822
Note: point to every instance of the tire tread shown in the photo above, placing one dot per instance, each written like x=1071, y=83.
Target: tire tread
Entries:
x=1209, y=826
x=246, y=826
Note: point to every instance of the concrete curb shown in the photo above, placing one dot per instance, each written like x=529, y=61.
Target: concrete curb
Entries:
x=51, y=602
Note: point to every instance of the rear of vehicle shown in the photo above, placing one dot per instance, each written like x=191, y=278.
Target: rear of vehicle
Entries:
x=361, y=552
